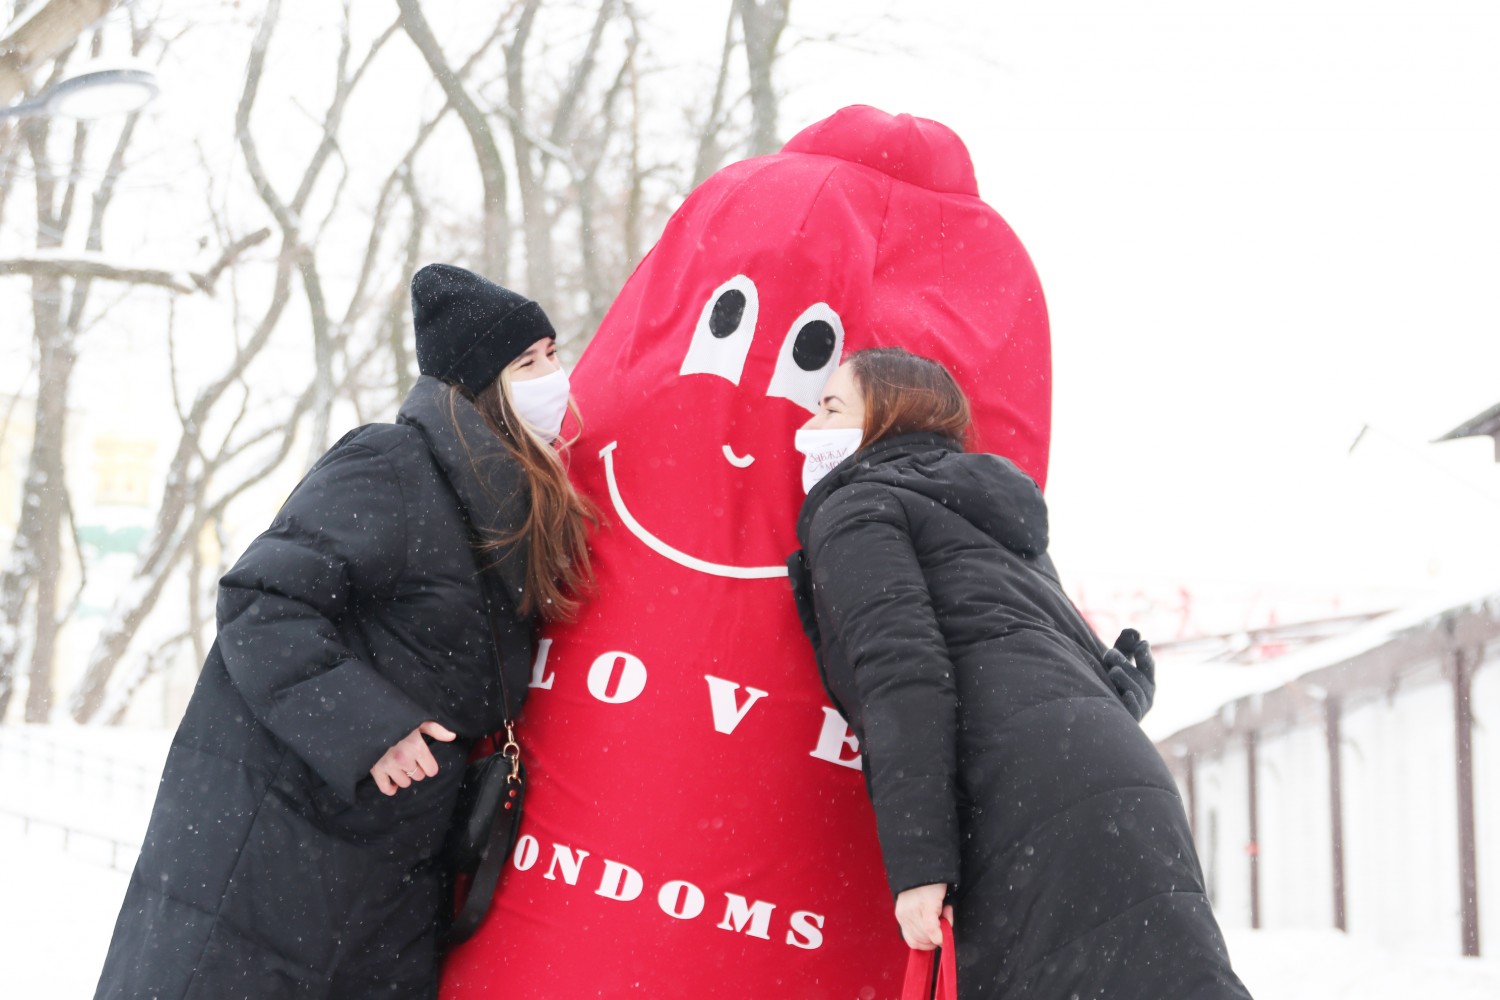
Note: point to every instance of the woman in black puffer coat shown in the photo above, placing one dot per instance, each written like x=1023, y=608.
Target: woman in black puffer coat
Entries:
x=293, y=847
x=1013, y=791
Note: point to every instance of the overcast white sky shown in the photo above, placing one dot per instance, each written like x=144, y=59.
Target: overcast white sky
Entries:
x=1259, y=226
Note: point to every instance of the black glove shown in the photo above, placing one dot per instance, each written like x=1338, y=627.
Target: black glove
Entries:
x=1134, y=682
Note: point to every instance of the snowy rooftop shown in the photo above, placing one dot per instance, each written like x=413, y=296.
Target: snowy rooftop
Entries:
x=1192, y=692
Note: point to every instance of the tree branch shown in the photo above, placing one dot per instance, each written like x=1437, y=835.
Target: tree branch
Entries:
x=710, y=152
x=229, y=257
x=91, y=264
x=496, y=231
x=34, y=37
x=562, y=119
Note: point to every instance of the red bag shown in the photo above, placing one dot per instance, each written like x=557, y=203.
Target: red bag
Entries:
x=919, y=982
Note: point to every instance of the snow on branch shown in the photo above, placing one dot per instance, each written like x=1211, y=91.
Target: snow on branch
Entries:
x=61, y=263
x=84, y=264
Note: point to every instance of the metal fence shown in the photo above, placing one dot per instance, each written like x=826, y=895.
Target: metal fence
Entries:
x=121, y=854
x=22, y=752
x=58, y=766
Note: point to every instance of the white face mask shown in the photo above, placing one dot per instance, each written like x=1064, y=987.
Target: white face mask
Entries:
x=542, y=402
x=825, y=448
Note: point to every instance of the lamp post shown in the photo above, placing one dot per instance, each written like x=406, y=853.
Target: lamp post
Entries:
x=95, y=93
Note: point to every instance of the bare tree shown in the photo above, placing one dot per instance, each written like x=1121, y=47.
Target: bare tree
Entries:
x=58, y=319
x=188, y=504
x=290, y=214
x=349, y=341
x=189, y=475
x=62, y=284
x=570, y=86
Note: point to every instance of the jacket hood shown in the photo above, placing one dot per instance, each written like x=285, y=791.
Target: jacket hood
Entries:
x=988, y=491
x=491, y=488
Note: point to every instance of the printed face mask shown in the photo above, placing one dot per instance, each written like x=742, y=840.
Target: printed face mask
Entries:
x=542, y=402
x=825, y=448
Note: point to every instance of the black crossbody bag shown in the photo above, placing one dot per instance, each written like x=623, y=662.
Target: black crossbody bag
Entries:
x=487, y=815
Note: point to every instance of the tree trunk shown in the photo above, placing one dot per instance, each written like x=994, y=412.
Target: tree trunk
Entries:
x=762, y=21
x=635, y=194
x=15, y=588
x=395, y=316
x=710, y=150
x=46, y=488
x=323, y=380
x=536, y=225
x=37, y=547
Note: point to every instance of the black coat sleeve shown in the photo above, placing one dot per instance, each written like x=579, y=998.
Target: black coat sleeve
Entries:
x=338, y=545
x=873, y=597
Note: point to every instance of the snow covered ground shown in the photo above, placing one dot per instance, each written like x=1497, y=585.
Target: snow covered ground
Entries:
x=55, y=923
x=1328, y=965
x=58, y=906
x=88, y=795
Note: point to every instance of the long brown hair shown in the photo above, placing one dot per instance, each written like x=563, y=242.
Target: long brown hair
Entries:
x=905, y=393
x=558, y=569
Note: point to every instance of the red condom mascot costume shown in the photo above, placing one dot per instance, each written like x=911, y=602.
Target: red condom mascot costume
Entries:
x=696, y=824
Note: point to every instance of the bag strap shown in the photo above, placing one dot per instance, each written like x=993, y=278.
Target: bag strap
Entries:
x=511, y=749
x=486, y=877
x=919, y=984
x=492, y=606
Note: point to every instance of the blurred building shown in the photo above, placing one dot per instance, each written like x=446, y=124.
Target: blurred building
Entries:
x=114, y=478
x=1486, y=424
x=15, y=442
x=1361, y=789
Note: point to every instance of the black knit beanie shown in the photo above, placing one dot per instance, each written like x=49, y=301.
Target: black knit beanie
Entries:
x=469, y=328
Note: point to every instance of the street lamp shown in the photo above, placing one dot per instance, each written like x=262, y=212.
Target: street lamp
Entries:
x=94, y=93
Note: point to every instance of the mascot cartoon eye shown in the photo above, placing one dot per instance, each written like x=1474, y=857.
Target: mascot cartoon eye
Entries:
x=809, y=355
x=725, y=330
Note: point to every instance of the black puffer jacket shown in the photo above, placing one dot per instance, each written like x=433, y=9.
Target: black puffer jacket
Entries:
x=272, y=866
x=999, y=758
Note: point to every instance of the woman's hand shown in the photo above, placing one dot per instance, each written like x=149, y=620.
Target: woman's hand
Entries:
x=410, y=760
x=917, y=911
